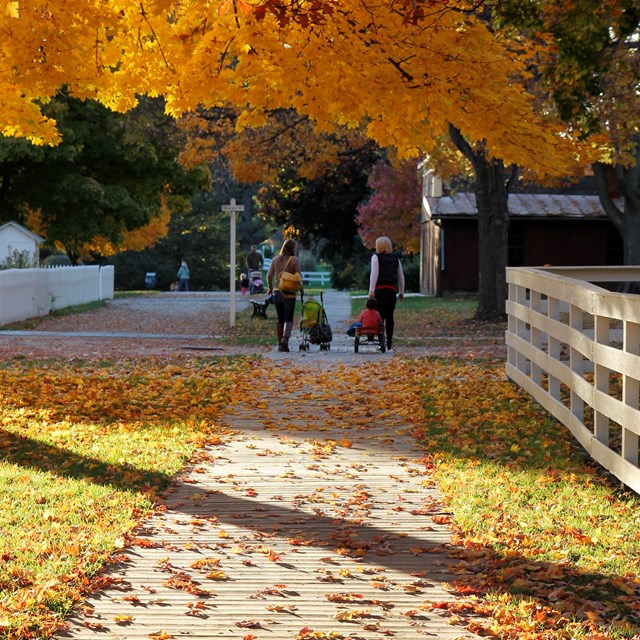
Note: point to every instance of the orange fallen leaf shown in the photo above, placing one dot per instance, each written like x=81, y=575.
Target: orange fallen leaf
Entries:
x=248, y=624
x=273, y=556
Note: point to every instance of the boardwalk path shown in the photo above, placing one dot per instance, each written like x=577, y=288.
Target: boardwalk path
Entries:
x=314, y=518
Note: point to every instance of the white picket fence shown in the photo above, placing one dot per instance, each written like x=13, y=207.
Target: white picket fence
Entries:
x=575, y=347
x=28, y=293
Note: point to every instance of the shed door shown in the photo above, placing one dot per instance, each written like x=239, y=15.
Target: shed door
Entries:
x=460, y=271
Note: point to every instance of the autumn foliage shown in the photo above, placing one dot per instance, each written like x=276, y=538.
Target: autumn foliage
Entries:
x=393, y=210
x=404, y=70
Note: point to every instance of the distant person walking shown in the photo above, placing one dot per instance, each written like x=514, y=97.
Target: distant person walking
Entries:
x=254, y=260
x=183, y=277
x=386, y=283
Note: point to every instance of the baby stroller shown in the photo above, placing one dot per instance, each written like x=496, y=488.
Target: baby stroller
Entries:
x=255, y=283
x=314, y=325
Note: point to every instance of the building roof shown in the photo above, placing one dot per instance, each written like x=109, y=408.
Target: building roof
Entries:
x=524, y=205
x=24, y=230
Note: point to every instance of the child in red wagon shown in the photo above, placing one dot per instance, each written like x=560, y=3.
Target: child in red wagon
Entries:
x=370, y=319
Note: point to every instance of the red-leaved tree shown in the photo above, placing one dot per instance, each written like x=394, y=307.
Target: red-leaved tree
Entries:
x=393, y=209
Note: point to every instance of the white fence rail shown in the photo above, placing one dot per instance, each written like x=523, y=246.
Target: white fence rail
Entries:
x=320, y=278
x=28, y=293
x=575, y=347
x=316, y=277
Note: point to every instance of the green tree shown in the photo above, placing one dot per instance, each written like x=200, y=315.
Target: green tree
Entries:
x=198, y=234
x=111, y=172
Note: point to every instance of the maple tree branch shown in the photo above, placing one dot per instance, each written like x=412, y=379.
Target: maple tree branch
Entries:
x=143, y=13
x=463, y=146
x=224, y=54
x=235, y=13
x=279, y=133
x=513, y=174
x=403, y=72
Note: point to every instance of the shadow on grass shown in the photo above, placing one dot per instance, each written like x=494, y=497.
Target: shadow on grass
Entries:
x=27, y=452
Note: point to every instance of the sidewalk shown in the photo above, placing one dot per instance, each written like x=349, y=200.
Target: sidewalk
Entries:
x=316, y=519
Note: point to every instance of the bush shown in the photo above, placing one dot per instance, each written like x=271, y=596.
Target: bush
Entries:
x=19, y=260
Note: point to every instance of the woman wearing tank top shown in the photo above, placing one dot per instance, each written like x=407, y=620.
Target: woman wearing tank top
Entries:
x=386, y=283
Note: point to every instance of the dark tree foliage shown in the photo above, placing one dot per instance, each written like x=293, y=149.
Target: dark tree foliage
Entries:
x=325, y=208
x=593, y=80
x=200, y=235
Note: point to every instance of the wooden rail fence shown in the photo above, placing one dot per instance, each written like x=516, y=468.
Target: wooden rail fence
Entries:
x=574, y=347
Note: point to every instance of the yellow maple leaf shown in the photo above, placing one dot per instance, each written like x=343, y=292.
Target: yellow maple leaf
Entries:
x=11, y=10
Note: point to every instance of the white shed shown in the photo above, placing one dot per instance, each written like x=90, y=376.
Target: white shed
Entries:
x=18, y=244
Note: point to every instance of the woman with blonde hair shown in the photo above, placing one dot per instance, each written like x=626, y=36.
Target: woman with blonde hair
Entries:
x=386, y=283
x=285, y=303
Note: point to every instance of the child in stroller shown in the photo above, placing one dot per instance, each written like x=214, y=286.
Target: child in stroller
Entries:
x=370, y=326
x=314, y=325
x=255, y=283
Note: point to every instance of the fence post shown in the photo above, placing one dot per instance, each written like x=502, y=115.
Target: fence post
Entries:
x=601, y=380
x=630, y=392
x=536, y=335
x=576, y=361
x=553, y=311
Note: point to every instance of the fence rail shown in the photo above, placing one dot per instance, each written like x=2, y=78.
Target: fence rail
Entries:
x=575, y=347
x=316, y=277
x=28, y=293
x=320, y=278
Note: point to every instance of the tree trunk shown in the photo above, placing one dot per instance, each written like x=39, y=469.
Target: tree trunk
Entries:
x=492, y=192
x=627, y=219
x=493, y=238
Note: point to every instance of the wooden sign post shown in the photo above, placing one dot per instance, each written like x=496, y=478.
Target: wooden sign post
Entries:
x=233, y=209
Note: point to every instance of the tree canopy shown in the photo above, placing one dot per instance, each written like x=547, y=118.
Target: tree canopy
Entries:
x=393, y=208
x=404, y=70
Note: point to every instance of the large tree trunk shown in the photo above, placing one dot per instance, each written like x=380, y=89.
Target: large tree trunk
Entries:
x=627, y=219
x=492, y=192
x=493, y=238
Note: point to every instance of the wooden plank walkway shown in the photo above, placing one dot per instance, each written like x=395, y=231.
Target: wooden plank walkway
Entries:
x=316, y=519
